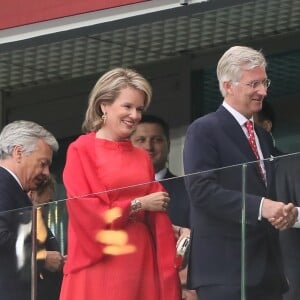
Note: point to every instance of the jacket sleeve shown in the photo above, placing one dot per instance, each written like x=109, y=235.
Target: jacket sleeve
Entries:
x=211, y=185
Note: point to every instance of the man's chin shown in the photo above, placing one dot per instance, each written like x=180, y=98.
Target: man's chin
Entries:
x=33, y=187
x=38, y=182
x=257, y=105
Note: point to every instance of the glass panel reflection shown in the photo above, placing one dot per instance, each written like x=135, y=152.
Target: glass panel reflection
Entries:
x=15, y=258
x=115, y=246
x=288, y=190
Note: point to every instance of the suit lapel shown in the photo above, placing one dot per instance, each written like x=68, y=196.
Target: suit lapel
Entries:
x=234, y=131
x=23, y=199
x=266, y=153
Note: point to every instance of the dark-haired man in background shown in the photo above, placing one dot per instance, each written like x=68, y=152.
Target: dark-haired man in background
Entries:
x=152, y=134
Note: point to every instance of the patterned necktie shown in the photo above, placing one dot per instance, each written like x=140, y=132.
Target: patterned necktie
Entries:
x=252, y=142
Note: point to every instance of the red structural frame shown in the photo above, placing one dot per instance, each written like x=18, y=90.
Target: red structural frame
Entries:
x=15, y=13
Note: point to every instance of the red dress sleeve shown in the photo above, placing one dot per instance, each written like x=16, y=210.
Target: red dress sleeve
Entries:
x=84, y=211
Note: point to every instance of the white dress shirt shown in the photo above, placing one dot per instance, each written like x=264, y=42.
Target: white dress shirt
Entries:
x=161, y=174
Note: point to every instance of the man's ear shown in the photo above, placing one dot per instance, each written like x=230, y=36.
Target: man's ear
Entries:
x=227, y=86
x=17, y=152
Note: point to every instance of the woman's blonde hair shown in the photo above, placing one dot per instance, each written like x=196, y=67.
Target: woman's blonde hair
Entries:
x=107, y=89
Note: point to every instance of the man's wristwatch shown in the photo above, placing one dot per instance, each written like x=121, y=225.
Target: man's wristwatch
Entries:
x=136, y=205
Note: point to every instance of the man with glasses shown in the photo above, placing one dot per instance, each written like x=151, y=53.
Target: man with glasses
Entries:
x=219, y=140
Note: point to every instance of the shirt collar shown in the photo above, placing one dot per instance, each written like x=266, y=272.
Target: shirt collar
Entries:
x=241, y=119
x=161, y=174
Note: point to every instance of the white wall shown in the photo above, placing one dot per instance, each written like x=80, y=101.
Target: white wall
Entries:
x=177, y=136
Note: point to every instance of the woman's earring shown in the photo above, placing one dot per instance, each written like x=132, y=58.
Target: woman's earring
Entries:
x=103, y=117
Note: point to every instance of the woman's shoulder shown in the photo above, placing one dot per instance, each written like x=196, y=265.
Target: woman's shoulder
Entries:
x=84, y=140
x=83, y=143
x=142, y=156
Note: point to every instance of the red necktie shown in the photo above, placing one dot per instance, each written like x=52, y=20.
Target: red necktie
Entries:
x=252, y=142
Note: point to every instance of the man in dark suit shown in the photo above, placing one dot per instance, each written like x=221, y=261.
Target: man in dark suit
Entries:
x=288, y=189
x=152, y=134
x=26, y=150
x=219, y=140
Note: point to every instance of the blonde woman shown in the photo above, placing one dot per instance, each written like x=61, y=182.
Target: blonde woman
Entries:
x=102, y=160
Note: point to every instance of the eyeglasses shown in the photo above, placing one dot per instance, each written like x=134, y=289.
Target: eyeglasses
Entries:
x=256, y=83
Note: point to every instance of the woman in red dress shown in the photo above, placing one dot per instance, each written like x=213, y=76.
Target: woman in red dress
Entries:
x=104, y=171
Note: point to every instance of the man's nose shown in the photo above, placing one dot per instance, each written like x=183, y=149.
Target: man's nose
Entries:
x=262, y=90
x=147, y=145
x=46, y=171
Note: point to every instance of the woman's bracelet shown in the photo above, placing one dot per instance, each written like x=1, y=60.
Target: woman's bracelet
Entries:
x=135, y=205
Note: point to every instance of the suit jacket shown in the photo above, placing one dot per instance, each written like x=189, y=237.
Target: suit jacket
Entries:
x=217, y=141
x=178, y=208
x=14, y=281
x=288, y=190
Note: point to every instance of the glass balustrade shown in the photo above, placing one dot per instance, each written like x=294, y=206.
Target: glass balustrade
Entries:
x=230, y=232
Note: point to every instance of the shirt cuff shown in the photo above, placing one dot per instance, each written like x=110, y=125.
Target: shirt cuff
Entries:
x=260, y=208
x=297, y=223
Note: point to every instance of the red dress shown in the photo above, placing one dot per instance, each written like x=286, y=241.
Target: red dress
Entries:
x=95, y=175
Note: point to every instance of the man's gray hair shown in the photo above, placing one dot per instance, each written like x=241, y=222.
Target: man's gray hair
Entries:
x=236, y=60
x=25, y=134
